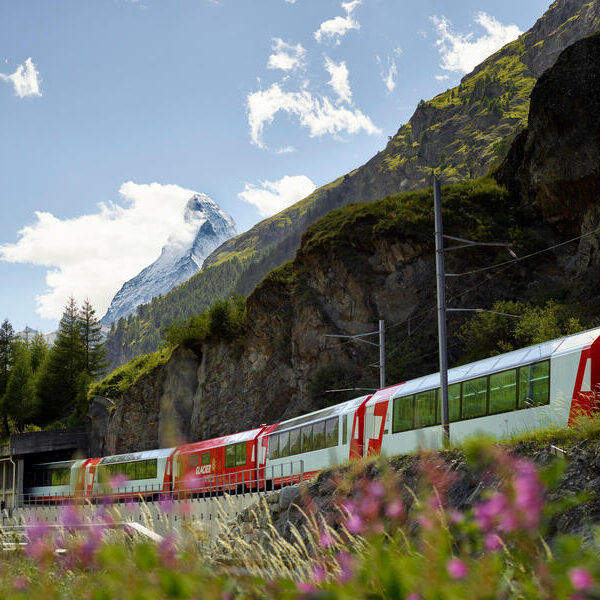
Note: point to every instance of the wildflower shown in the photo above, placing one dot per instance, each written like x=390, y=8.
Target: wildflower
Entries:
x=118, y=481
x=369, y=508
x=36, y=529
x=413, y=596
x=20, y=583
x=185, y=508
x=166, y=504
x=354, y=524
x=493, y=542
x=456, y=568
x=376, y=489
x=326, y=539
x=166, y=550
x=456, y=516
x=305, y=587
x=319, y=573
x=346, y=563
x=425, y=522
x=580, y=578
x=528, y=493
x=70, y=517
x=394, y=509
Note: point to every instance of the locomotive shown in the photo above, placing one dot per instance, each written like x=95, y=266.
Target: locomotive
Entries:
x=548, y=384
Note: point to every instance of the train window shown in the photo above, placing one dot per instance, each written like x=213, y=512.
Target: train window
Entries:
x=319, y=436
x=240, y=454
x=295, y=441
x=503, y=391
x=307, y=438
x=454, y=402
x=273, y=446
x=193, y=458
x=345, y=429
x=402, y=419
x=534, y=385
x=229, y=456
x=332, y=432
x=206, y=458
x=474, y=398
x=284, y=444
x=426, y=408
x=60, y=476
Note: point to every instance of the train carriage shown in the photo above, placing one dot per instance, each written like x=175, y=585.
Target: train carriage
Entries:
x=51, y=482
x=545, y=385
x=226, y=463
x=302, y=446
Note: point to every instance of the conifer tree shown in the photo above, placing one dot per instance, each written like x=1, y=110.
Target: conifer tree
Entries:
x=18, y=401
x=57, y=385
x=94, y=351
x=7, y=342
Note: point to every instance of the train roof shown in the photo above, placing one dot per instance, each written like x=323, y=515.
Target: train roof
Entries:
x=322, y=414
x=133, y=456
x=225, y=440
x=510, y=360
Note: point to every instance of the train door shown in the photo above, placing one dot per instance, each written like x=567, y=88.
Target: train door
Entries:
x=374, y=422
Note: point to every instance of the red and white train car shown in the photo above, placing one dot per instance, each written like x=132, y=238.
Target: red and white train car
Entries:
x=549, y=384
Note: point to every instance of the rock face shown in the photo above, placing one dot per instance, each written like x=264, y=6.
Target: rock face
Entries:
x=177, y=262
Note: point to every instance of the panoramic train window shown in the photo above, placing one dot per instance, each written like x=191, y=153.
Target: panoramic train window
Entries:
x=503, y=391
x=307, y=439
x=193, y=460
x=295, y=441
x=139, y=469
x=284, y=444
x=240, y=454
x=474, y=398
x=61, y=476
x=426, y=409
x=345, y=429
x=402, y=419
x=273, y=446
x=206, y=458
x=453, y=402
x=332, y=432
x=319, y=435
x=534, y=385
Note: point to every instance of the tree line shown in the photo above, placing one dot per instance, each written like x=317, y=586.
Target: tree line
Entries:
x=42, y=384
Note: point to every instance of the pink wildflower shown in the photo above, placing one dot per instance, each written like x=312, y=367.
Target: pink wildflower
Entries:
x=354, y=524
x=167, y=551
x=20, y=583
x=305, y=587
x=456, y=568
x=493, y=542
x=166, y=504
x=319, y=573
x=369, y=508
x=118, y=481
x=346, y=563
x=185, y=509
x=413, y=596
x=394, y=509
x=326, y=540
x=580, y=578
x=376, y=489
x=70, y=516
x=456, y=516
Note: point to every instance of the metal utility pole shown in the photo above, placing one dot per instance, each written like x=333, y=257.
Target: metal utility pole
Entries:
x=358, y=337
x=441, y=309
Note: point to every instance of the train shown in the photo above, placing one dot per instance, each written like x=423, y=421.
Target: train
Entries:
x=544, y=385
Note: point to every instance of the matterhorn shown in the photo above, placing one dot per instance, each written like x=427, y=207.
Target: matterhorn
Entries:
x=210, y=225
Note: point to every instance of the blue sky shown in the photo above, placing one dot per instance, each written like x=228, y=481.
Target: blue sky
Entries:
x=113, y=112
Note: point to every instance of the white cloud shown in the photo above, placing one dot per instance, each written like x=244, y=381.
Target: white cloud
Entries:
x=273, y=196
x=442, y=77
x=389, y=76
x=286, y=150
x=25, y=80
x=286, y=56
x=339, y=80
x=92, y=255
x=336, y=28
x=319, y=115
x=463, y=52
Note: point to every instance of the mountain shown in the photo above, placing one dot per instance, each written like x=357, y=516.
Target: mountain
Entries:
x=177, y=262
x=461, y=133
x=28, y=334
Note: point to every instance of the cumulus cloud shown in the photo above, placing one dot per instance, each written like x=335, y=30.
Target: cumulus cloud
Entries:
x=339, y=80
x=336, y=28
x=319, y=115
x=25, y=80
x=463, y=52
x=389, y=74
x=286, y=57
x=93, y=255
x=272, y=197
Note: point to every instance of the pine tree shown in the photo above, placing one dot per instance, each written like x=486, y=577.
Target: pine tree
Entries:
x=57, y=385
x=94, y=351
x=18, y=401
x=7, y=343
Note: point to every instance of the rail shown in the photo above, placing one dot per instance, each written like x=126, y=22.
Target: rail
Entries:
x=196, y=487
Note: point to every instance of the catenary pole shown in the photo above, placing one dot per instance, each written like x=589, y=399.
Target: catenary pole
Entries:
x=441, y=307
x=381, y=354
